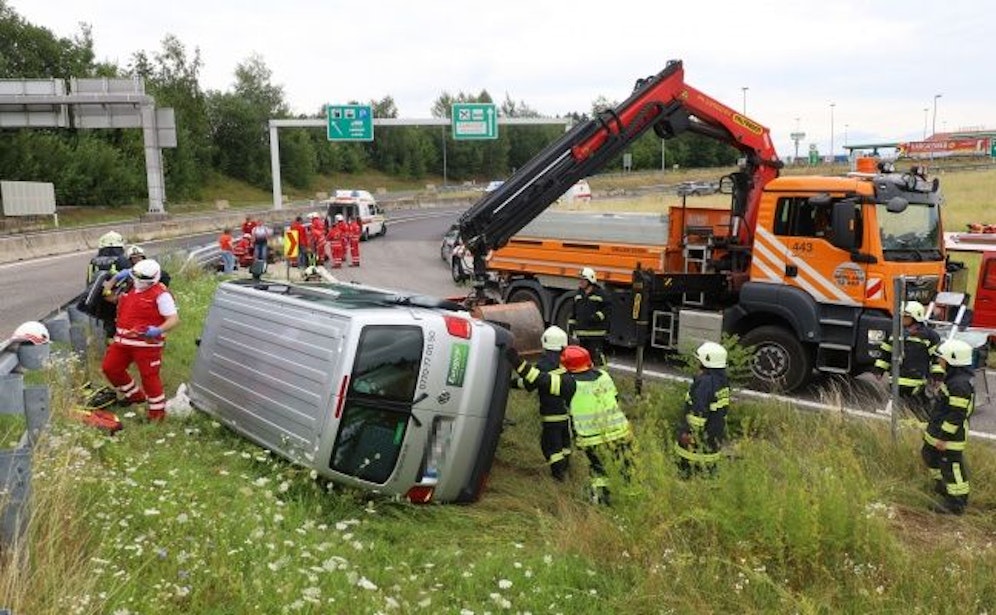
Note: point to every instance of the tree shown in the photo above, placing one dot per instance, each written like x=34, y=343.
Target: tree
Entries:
x=239, y=122
x=33, y=52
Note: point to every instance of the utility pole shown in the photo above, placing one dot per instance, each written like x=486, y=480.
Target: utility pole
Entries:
x=933, y=127
x=745, y=88
x=832, y=105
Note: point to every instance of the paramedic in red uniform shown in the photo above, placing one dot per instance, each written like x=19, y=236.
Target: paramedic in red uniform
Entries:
x=336, y=242
x=355, y=230
x=316, y=241
x=145, y=314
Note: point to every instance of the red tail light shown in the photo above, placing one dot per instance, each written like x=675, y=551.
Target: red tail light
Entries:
x=420, y=494
x=457, y=327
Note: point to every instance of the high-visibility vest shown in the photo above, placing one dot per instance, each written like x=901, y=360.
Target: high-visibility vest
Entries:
x=595, y=413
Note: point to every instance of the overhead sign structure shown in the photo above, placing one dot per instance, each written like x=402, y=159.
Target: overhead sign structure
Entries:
x=474, y=121
x=350, y=122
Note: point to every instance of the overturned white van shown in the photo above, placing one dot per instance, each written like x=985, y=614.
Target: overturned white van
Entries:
x=402, y=395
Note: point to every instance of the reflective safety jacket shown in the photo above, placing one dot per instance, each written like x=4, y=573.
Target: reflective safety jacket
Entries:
x=553, y=384
x=591, y=314
x=707, y=403
x=595, y=411
x=919, y=346
x=955, y=404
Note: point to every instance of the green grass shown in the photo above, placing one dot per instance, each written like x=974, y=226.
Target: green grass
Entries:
x=811, y=514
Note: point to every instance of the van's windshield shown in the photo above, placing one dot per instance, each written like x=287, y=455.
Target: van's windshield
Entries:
x=379, y=402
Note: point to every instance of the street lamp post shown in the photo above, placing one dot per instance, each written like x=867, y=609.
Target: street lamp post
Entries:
x=745, y=88
x=832, y=105
x=925, y=110
x=933, y=127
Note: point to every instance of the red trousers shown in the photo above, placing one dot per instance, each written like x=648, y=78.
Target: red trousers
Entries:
x=148, y=359
x=354, y=251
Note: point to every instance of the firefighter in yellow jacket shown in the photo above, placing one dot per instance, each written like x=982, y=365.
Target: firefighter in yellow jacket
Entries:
x=946, y=433
x=600, y=427
x=702, y=430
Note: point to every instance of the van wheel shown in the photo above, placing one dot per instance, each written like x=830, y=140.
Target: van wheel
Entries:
x=780, y=362
x=383, y=230
x=457, y=271
x=365, y=235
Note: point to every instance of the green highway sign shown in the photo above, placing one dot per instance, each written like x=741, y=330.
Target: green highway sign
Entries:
x=350, y=122
x=474, y=121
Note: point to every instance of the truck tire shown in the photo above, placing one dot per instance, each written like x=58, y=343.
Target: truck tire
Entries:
x=520, y=295
x=780, y=361
x=564, y=312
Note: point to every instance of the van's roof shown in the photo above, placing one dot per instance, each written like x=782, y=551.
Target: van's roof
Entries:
x=346, y=296
x=352, y=194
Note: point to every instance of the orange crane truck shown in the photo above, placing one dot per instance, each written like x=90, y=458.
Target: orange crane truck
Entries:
x=801, y=268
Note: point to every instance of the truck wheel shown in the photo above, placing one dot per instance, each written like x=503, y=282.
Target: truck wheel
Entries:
x=564, y=313
x=780, y=361
x=521, y=295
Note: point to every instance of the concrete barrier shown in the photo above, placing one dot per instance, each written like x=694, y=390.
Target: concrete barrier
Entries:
x=27, y=246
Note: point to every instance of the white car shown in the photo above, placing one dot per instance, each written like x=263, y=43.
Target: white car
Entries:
x=493, y=185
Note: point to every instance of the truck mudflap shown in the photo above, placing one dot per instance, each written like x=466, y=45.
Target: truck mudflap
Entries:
x=494, y=422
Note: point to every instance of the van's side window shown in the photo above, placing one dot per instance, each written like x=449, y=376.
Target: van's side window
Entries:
x=378, y=405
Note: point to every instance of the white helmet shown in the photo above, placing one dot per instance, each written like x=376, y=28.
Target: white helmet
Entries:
x=338, y=218
x=111, y=239
x=589, y=274
x=554, y=338
x=311, y=215
x=135, y=251
x=711, y=354
x=146, y=272
x=32, y=332
x=915, y=310
x=957, y=353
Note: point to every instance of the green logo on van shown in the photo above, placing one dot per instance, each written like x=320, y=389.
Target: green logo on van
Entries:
x=458, y=365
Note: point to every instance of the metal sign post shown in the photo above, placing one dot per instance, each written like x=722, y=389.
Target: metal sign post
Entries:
x=898, y=294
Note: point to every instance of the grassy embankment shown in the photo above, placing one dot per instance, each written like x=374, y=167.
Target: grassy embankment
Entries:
x=815, y=514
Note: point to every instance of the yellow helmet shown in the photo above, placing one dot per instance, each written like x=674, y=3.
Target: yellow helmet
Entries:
x=915, y=310
x=711, y=355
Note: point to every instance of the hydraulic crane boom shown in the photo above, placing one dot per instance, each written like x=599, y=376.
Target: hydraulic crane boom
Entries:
x=663, y=102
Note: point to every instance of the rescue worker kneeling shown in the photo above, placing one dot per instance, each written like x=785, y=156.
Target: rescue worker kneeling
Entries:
x=555, y=434
x=702, y=430
x=145, y=314
x=600, y=427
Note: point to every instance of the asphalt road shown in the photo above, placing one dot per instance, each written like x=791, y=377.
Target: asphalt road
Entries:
x=406, y=258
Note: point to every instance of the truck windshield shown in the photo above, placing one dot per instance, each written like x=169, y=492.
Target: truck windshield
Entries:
x=912, y=235
x=379, y=402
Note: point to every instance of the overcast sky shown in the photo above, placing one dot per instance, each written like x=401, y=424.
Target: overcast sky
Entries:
x=879, y=62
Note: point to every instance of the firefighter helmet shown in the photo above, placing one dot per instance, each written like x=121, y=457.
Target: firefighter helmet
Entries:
x=711, y=355
x=575, y=359
x=111, y=239
x=146, y=272
x=133, y=251
x=915, y=310
x=589, y=274
x=32, y=332
x=554, y=338
x=338, y=218
x=956, y=353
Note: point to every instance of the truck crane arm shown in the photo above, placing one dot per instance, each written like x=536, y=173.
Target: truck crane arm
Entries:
x=663, y=102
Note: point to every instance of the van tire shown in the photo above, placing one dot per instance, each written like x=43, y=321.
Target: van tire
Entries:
x=457, y=271
x=365, y=236
x=383, y=230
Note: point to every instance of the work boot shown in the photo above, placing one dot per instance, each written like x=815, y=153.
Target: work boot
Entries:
x=101, y=398
x=155, y=416
x=947, y=506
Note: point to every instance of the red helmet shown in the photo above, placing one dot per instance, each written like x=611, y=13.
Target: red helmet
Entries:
x=575, y=359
